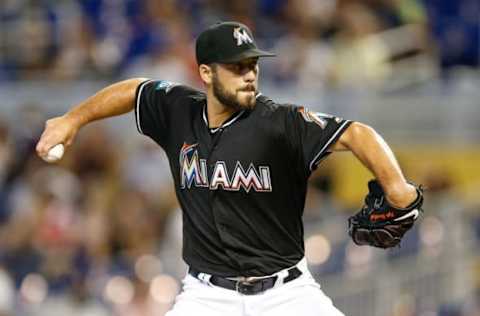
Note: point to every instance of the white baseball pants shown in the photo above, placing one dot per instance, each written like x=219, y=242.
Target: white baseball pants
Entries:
x=300, y=297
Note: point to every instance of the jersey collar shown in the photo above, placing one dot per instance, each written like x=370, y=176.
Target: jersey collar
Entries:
x=228, y=122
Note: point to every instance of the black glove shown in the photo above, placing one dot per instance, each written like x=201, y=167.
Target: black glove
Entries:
x=378, y=223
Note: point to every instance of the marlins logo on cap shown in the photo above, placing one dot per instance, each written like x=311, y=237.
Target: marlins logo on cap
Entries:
x=227, y=42
x=242, y=36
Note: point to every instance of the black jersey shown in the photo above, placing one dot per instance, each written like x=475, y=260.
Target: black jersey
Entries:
x=241, y=186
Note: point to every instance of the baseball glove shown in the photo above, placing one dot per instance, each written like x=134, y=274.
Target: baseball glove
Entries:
x=378, y=223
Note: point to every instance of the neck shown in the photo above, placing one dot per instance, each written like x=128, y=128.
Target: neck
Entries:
x=217, y=113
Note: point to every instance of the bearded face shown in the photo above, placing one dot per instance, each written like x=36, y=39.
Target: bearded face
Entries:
x=235, y=85
x=239, y=99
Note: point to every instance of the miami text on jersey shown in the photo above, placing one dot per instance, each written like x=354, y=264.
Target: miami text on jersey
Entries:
x=193, y=171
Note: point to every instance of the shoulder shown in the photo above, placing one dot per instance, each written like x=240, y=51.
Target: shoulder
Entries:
x=172, y=90
x=268, y=107
x=178, y=89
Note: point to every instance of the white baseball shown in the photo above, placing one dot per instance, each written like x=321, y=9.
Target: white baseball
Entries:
x=55, y=153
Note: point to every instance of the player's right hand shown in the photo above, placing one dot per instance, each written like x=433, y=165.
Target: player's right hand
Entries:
x=58, y=130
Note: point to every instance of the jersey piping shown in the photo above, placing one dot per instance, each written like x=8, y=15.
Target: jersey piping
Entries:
x=137, y=104
x=227, y=123
x=334, y=136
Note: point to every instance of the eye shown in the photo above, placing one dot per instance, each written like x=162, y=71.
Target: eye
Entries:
x=248, y=66
x=234, y=67
x=243, y=67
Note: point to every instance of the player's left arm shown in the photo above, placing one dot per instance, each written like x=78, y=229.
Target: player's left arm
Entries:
x=375, y=154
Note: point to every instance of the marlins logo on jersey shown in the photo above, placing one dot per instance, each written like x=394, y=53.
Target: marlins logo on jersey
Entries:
x=165, y=85
x=317, y=117
x=193, y=171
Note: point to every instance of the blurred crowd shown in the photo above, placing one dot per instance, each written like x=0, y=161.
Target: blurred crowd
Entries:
x=330, y=41
x=89, y=228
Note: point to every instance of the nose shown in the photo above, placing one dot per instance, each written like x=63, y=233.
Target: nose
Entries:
x=250, y=76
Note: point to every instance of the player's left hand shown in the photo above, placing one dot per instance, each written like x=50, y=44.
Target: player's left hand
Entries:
x=380, y=224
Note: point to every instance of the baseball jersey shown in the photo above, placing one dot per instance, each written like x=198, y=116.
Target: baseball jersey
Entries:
x=242, y=185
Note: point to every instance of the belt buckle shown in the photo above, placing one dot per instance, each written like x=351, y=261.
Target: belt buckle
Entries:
x=246, y=286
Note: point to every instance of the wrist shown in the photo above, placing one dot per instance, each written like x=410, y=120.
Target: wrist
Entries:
x=401, y=195
x=74, y=120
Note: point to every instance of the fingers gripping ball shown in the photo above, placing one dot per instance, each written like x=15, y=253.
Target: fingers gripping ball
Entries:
x=380, y=224
x=55, y=153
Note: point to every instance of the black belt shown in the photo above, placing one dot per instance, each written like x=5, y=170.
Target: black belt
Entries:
x=248, y=286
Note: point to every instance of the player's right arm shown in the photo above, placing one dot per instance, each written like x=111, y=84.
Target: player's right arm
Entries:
x=377, y=156
x=116, y=99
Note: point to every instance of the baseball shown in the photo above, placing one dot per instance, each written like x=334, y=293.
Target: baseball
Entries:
x=55, y=153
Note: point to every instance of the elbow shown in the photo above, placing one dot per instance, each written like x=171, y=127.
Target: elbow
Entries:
x=357, y=134
x=361, y=130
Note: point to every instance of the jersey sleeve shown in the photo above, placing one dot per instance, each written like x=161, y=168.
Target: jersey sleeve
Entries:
x=313, y=133
x=154, y=107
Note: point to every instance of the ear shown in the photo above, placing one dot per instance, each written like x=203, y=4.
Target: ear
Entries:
x=206, y=73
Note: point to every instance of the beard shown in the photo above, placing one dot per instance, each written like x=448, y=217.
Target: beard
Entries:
x=232, y=100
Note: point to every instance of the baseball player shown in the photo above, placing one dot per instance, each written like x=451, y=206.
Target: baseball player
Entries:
x=240, y=164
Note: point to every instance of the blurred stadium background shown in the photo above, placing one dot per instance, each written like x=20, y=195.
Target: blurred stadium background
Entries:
x=100, y=233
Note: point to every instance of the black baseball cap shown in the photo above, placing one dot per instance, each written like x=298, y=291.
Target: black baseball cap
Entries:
x=227, y=42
